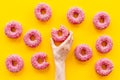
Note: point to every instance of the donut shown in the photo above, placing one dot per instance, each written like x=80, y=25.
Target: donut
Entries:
x=83, y=52
x=14, y=63
x=101, y=20
x=13, y=29
x=104, y=67
x=60, y=37
x=43, y=12
x=75, y=15
x=32, y=38
x=104, y=44
x=36, y=63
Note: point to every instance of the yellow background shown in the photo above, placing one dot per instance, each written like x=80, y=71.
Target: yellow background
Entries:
x=23, y=12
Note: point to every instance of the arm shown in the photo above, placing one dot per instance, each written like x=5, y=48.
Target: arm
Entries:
x=60, y=52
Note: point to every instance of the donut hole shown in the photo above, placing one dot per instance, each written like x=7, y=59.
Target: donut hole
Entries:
x=39, y=60
x=32, y=37
x=14, y=63
x=75, y=14
x=59, y=33
x=104, y=43
x=104, y=66
x=102, y=19
x=43, y=11
x=57, y=43
x=13, y=29
x=83, y=52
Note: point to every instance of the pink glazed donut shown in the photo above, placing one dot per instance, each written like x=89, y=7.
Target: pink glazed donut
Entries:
x=104, y=44
x=13, y=29
x=83, y=52
x=75, y=15
x=60, y=38
x=101, y=20
x=104, y=67
x=32, y=38
x=14, y=63
x=39, y=65
x=43, y=12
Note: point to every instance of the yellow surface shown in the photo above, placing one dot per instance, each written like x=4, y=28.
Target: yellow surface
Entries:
x=23, y=12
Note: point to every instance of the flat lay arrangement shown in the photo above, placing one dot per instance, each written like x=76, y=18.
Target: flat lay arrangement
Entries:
x=55, y=49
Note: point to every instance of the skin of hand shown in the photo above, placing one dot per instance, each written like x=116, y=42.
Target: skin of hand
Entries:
x=60, y=52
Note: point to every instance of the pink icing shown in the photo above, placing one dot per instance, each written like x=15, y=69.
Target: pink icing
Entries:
x=100, y=70
x=19, y=63
x=16, y=26
x=43, y=17
x=36, y=64
x=87, y=52
x=37, y=38
x=61, y=38
x=100, y=47
x=104, y=24
x=72, y=12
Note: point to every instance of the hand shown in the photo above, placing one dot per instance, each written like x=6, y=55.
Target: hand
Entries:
x=60, y=52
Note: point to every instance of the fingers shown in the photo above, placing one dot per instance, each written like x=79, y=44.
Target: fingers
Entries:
x=52, y=43
x=69, y=40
